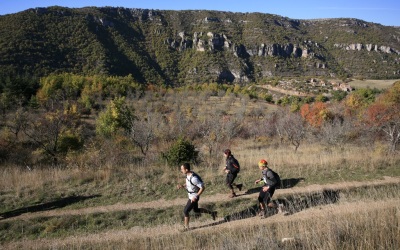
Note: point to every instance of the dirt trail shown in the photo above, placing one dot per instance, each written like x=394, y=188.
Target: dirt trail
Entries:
x=206, y=198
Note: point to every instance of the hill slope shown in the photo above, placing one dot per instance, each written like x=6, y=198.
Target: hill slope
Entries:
x=183, y=47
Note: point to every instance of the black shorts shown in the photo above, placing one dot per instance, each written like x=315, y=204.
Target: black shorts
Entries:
x=191, y=206
x=230, y=178
x=266, y=196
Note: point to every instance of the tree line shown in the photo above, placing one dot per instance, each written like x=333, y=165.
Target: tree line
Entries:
x=92, y=121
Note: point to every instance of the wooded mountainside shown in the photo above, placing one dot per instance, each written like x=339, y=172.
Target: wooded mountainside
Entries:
x=182, y=47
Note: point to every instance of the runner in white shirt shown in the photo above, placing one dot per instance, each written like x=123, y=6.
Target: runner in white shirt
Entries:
x=195, y=187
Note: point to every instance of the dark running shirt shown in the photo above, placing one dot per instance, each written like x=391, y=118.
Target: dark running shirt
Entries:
x=232, y=164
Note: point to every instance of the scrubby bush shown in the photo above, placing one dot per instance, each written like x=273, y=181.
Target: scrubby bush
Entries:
x=117, y=116
x=181, y=151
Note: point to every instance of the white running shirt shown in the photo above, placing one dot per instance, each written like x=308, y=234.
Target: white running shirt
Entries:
x=193, y=189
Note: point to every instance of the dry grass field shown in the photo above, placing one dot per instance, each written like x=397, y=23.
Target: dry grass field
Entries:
x=335, y=198
x=368, y=83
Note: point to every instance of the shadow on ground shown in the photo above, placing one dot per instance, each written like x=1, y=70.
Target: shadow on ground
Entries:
x=285, y=183
x=291, y=182
x=291, y=204
x=296, y=203
x=46, y=206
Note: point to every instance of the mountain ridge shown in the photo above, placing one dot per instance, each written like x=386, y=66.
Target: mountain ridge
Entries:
x=194, y=46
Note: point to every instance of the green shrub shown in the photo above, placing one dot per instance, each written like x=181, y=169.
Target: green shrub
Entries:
x=181, y=151
x=116, y=116
x=69, y=142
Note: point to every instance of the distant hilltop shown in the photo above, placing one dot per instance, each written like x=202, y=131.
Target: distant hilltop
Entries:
x=194, y=46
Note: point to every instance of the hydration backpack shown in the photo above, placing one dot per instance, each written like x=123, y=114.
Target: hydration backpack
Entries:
x=196, y=188
x=277, y=178
x=269, y=180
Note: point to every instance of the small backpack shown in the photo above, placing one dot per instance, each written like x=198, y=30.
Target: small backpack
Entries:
x=277, y=177
x=196, y=188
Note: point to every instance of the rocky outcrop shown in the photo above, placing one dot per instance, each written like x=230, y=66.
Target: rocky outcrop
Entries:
x=105, y=22
x=211, y=20
x=218, y=42
x=283, y=50
x=240, y=51
x=368, y=47
x=143, y=14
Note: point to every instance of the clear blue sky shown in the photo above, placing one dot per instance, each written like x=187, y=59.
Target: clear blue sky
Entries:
x=386, y=12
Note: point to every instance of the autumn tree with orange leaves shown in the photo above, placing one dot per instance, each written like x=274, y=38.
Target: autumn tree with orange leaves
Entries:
x=384, y=115
x=357, y=102
x=316, y=113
